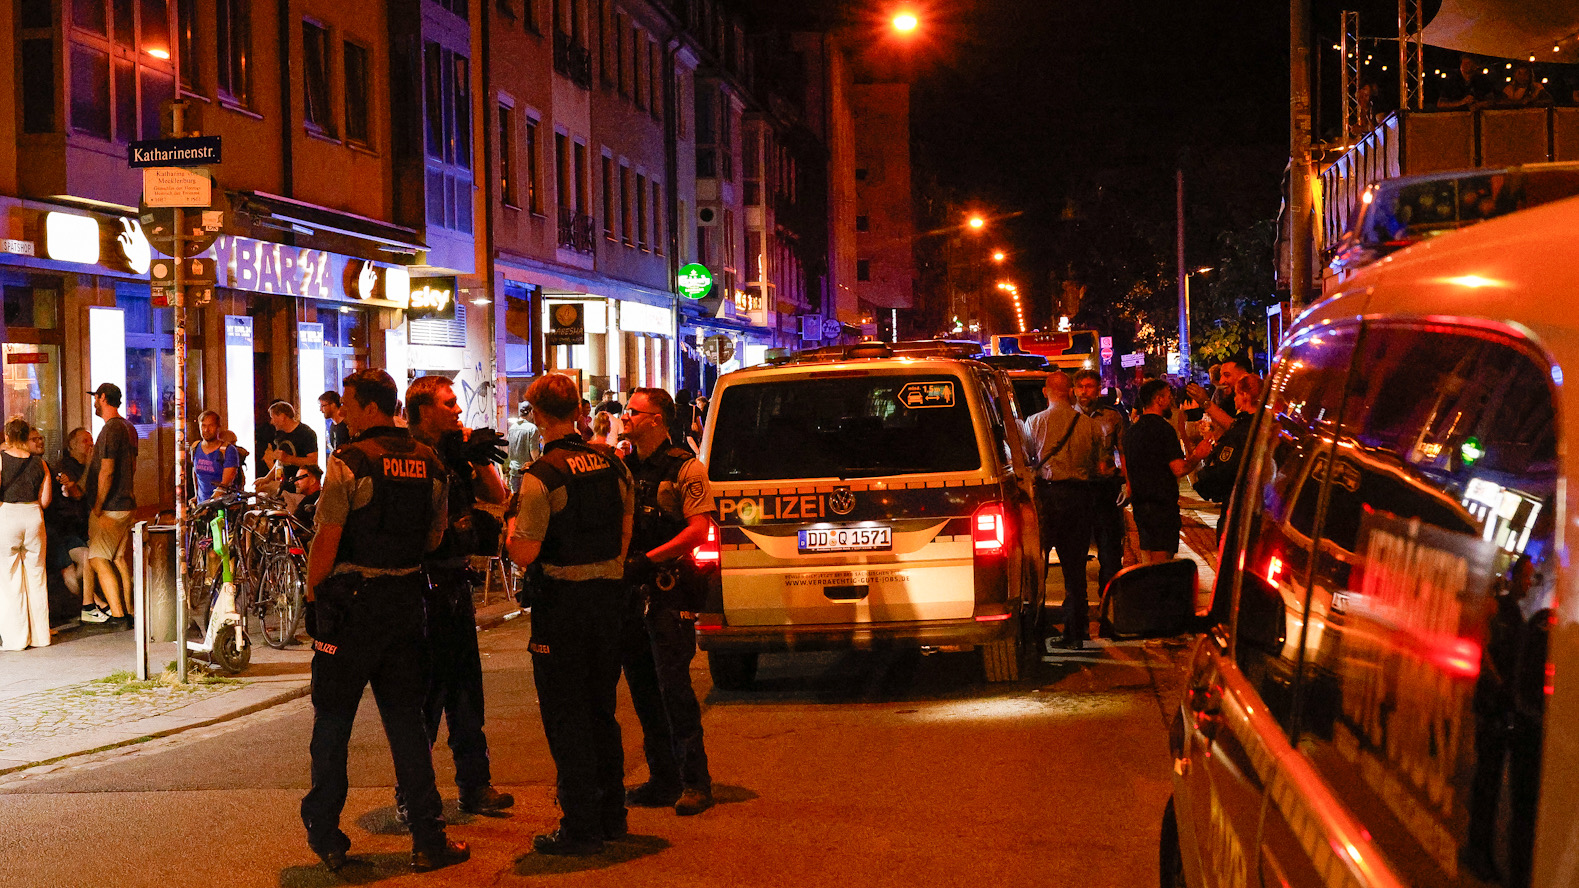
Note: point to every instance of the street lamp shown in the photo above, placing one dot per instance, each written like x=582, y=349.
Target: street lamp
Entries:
x=1184, y=319
x=905, y=22
x=997, y=256
x=976, y=223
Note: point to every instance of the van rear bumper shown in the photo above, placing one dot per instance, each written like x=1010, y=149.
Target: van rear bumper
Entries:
x=845, y=636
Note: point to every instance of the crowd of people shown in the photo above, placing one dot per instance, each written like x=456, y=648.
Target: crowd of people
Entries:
x=1095, y=454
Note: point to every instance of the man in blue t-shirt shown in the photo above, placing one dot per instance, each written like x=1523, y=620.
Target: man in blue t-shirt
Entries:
x=214, y=463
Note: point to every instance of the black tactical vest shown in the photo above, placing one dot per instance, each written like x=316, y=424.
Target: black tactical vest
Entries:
x=460, y=537
x=391, y=531
x=590, y=527
x=654, y=526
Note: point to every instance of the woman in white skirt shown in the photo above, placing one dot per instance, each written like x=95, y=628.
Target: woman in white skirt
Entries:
x=24, y=494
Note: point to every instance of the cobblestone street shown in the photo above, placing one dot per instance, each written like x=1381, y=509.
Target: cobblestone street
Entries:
x=74, y=709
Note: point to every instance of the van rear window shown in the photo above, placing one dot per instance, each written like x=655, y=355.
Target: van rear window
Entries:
x=859, y=427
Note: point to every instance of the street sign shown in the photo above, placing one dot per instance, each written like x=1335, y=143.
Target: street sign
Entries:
x=176, y=187
x=202, y=227
x=194, y=271
x=566, y=325
x=1135, y=359
x=1107, y=343
x=811, y=328
x=189, y=152
x=831, y=328
x=720, y=348
x=694, y=281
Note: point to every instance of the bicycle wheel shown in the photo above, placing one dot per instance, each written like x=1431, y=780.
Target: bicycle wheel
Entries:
x=281, y=594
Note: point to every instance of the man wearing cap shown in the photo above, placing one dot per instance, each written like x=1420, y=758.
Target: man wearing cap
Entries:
x=109, y=491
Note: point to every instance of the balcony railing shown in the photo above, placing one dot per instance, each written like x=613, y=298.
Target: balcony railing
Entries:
x=572, y=61
x=576, y=231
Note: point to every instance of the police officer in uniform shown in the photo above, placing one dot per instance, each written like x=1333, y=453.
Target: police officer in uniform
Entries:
x=575, y=516
x=1215, y=481
x=382, y=507
x=674, y=509
x=1107, y=481
x=455, y=666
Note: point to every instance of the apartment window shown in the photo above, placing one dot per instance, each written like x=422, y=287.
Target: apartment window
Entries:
x=459, y=7
x=534, y=200
x=657, y=218
x=654, y=86
x=118, y=67
x=562, y=170
x=529, y=16
x=608, y=197
x=641, y=212
x=863, y=269
x=38, y=85
x=447, y=86
x=638, y=86
x=187, y=42
x=358, y=73
x=862, y=223
x=583, y=179
x=507, y=180
x=754, y=257
x=233, y=40
x=625, y=204
x=619, y=51
x=679, y=105
x=860, y=174
x=315, y=63
x=726, y=140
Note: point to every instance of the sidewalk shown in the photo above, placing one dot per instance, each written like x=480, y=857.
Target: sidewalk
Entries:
x=75, y=696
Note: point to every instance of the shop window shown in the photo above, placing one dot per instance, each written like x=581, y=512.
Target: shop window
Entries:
x=32, y=306
x=358, y=69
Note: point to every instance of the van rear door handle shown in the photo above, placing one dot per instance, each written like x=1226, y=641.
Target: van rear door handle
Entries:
x=1206, y=705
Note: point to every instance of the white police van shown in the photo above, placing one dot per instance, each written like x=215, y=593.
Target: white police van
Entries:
x=871, y=495
x=1385, y=693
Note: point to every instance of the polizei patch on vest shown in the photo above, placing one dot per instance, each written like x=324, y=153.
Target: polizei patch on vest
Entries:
x=396, y=467
x=589, y=463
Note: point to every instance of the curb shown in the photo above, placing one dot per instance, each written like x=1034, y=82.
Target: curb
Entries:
x=492, y=617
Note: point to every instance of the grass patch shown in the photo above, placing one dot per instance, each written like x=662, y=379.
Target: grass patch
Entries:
x=124, y=682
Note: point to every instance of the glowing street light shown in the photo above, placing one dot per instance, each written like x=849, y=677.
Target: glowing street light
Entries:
x=976, y=223
x=906, y=22
x=997, y=256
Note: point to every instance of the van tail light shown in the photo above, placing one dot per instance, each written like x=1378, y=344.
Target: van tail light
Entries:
x=709, y=622
x=989, y=531
x=707, y=554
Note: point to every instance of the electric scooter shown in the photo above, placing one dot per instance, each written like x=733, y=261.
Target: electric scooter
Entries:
x=224, y=643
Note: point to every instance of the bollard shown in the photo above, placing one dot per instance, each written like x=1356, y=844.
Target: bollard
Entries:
x=139, y=601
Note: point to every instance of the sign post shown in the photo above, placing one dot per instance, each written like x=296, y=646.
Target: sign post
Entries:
x=165, y=183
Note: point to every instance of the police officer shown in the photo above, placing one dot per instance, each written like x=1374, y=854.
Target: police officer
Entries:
x=1064, y=447
x=382, y=507
x=674, y=509
x=1215, y=481
x=455, y=667
x=1107, y=481
x=576, y=503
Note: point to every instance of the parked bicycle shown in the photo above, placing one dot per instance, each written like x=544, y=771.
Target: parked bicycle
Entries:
x=267, y=560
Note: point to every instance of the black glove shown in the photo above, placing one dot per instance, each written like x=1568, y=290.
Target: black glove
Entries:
x=639, y=569
x=485, y=446
x=310, y=618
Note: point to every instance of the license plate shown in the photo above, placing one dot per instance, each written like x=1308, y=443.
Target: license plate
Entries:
x=846, y=539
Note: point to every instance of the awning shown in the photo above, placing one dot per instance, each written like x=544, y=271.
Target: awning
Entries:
x=1508, y=29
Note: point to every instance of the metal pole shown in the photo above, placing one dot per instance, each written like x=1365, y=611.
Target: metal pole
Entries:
x=1184, y=282
x=178, y=118
x=1299, y=198
x=140, y=599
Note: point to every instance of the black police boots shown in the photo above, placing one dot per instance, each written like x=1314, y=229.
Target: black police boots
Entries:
x=425, y=859
x=486, y=801
x=561, y=844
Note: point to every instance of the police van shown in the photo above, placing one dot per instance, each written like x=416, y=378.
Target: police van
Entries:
x=871, y=495
x=1384, y=695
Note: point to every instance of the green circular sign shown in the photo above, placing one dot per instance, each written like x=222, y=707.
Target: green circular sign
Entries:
x=694, y=281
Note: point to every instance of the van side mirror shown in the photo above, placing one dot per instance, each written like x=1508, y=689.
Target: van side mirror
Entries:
x=1152, y=600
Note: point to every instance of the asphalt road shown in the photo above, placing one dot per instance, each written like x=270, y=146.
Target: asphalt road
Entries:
x=867, y=768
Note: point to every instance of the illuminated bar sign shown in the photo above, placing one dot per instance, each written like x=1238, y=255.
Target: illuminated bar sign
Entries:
x=432, y=298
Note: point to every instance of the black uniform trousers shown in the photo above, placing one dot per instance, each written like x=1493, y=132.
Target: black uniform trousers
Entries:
x=382, y=644
x=1066, y=522
x=455, y=677
x=576, y=666
x=1107, y=528
x=657, y=650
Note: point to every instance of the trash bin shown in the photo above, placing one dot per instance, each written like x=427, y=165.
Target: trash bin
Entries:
x=158, y=575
